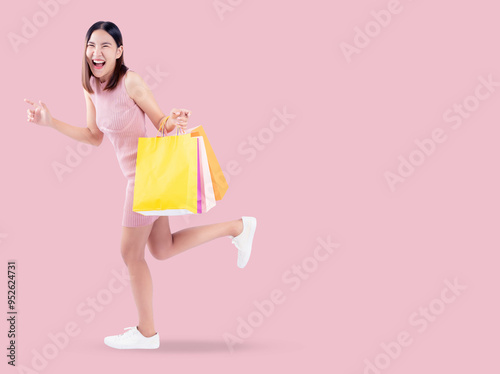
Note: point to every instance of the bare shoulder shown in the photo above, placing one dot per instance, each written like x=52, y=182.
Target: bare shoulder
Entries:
x=133, y=76
x=134, y=84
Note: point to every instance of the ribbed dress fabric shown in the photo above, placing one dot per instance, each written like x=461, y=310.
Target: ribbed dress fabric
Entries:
x=123, y=122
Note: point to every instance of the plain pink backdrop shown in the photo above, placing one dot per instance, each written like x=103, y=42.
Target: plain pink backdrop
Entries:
x=322, y=175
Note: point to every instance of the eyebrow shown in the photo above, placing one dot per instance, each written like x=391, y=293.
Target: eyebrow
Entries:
x=89, y=42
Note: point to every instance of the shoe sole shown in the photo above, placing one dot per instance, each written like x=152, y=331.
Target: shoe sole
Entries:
x=115, y=347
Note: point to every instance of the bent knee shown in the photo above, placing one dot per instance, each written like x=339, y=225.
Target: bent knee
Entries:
x=161, y=252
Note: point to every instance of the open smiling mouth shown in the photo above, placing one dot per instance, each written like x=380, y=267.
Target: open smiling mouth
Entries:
x=98, y=63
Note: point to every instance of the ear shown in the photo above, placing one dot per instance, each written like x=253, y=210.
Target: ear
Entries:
x=119, y=52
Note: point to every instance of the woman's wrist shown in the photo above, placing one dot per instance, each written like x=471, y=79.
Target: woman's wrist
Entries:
x=167, y=124
x=163, y=124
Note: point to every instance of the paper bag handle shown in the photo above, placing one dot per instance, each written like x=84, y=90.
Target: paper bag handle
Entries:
x=162, y=128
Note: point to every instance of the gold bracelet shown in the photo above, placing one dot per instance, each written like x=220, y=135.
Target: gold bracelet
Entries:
x=164, y=123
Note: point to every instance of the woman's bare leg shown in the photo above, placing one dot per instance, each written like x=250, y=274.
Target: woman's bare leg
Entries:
x=163, y=244
x=133, y=245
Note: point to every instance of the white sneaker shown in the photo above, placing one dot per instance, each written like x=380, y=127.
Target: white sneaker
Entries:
x=132, y=339
x=244, y=241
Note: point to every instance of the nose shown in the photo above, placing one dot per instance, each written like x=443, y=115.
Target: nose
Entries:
x=97, y=50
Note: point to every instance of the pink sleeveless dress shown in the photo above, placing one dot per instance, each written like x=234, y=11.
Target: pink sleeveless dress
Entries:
x=123, y=122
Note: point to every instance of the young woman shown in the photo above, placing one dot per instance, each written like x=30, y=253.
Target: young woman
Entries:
x=117, y=100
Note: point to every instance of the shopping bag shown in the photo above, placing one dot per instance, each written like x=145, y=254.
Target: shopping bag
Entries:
x=167, y=176
x=207, y=188
x=218, y=180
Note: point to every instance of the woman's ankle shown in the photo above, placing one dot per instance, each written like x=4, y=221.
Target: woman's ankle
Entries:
x=146, y=332
x=238, y=227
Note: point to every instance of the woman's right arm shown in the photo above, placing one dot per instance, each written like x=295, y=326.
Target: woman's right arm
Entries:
x=90, y=134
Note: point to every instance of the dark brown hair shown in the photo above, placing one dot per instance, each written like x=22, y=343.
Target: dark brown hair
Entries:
x=120, y=67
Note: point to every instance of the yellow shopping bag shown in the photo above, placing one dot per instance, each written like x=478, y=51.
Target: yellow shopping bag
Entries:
x=166, y=177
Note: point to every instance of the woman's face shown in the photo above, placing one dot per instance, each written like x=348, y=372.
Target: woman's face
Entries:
x=101, y=48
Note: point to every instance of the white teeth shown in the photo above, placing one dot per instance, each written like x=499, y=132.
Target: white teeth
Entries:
x=98, y=61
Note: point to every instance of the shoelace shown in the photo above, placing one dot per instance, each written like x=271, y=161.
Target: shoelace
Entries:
x=236, y=240
x=127, y=328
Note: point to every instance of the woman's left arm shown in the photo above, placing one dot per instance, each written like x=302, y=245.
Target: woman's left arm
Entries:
x=139, y=91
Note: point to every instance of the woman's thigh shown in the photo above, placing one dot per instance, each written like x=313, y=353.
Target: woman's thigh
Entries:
x=134, y=241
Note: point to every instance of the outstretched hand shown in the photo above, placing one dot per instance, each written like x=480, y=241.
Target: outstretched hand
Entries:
x=39, y=114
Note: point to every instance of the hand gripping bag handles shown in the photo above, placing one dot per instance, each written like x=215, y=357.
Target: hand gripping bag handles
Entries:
x=177, y=175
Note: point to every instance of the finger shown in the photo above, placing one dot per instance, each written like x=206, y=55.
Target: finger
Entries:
x=29, y=102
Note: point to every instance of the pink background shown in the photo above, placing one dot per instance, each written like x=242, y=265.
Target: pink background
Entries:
x=322, y=176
